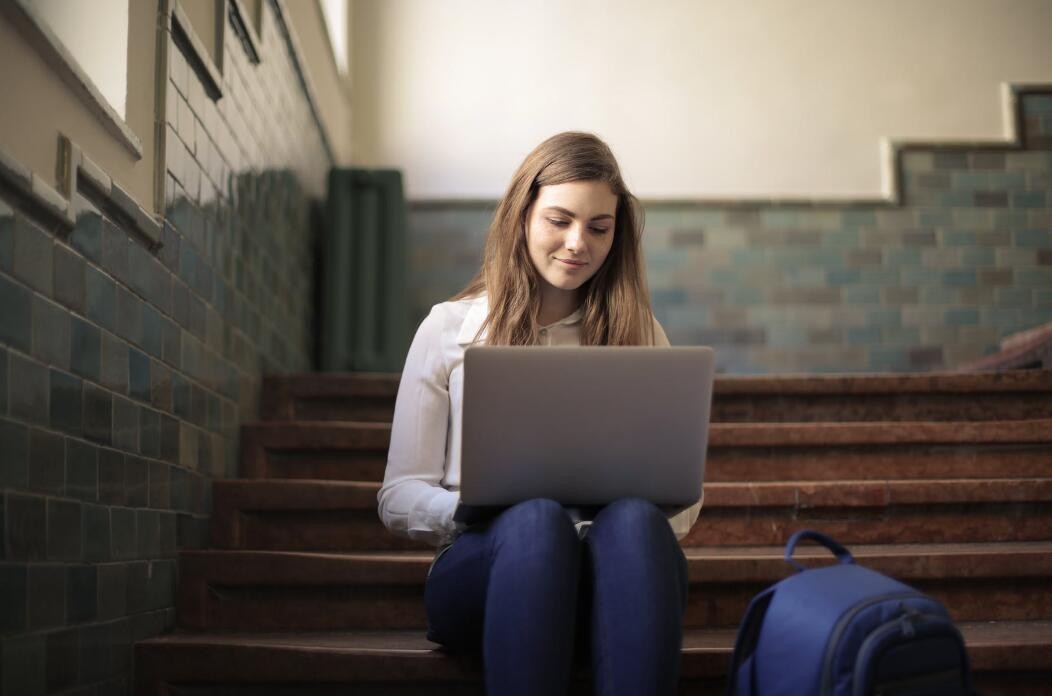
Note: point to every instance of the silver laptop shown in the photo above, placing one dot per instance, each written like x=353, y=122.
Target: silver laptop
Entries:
x=585, y=425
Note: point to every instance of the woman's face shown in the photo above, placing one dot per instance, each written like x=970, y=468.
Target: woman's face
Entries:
x=569, y=232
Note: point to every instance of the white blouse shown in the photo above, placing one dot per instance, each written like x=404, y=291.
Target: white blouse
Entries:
x=421, y=484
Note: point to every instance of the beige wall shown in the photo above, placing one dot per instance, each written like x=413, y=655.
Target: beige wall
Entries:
x=38, y=106
x=331, y=89
x=698, y=98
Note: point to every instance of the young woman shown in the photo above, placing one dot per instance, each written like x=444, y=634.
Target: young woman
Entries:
x=563, y=265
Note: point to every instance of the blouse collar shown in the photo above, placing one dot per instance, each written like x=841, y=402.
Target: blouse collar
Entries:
x=480, y=308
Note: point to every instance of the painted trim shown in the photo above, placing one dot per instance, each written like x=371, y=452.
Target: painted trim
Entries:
x=891, y=152
x=187, y=40
x=41, y=38
x=79, y=175
x=239, y=20
x=293, y=43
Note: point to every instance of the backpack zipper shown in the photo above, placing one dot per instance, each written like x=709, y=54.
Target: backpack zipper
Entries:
x=841, y=626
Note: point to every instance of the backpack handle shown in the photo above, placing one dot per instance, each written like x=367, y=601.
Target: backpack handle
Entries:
x=838, y=549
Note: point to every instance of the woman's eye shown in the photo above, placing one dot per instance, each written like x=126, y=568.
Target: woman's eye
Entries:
x=600, y=230
x=558, y=223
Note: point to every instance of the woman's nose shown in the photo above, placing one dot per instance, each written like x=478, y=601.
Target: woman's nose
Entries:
x=574, y=237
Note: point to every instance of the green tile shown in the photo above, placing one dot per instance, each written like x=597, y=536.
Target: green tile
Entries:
x=959, y=278
x=961, y=317
x=863, y=335
x=1033, y=238
x=880, y=317
x=843, y=276
x=862, y=294
x=1029, y=199
x=978, y=257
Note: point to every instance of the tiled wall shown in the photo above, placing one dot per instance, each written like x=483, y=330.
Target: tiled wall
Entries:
x=929, y=284
x=125, y=372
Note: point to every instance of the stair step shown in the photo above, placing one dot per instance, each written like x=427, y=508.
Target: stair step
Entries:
x=348, y=396
x=1024, y=394
x=280, y=590
x=1007, y=658
x=300, y=515
x=736, y=452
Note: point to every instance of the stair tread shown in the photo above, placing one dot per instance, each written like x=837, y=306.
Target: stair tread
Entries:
x=295, y=494
x=338, y=383
x=978, y=635
x=723, y=564
x=305, y=433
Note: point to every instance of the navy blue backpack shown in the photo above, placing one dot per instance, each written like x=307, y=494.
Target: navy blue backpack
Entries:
x=845, y=630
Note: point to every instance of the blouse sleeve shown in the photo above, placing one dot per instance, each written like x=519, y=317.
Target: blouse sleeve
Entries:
x=412, y=500
x=683, y=521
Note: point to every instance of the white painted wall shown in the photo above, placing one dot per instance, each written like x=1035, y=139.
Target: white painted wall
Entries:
x=698, y=98
x=96, y=35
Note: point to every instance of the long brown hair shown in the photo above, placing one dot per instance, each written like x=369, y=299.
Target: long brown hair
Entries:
x=616, y=300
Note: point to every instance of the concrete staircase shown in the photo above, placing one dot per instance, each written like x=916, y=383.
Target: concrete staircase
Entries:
x=941, y=480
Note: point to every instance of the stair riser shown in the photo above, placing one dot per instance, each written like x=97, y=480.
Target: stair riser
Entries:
x=325, y=530
x=997, y=684
x=753, y=409
x=710, y=605
x=727, y=464
x=361, y=530
x=941, y=524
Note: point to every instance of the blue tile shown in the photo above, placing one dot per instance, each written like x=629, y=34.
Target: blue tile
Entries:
x=138, y=375
x=65, y=402
x=1029, y=199
x=961, y=317
x=863, y=335
x=959, y=278
x=15, y=308
x=978, y=256
x=1033, y=238
x=87, y=236
x=884, y=317
x=843, y=276
x=959, y=238
x=151, y=331
x=862, y=294
x=85, y=357
x=102, y=299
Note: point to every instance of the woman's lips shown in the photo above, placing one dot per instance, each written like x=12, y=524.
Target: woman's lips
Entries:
x=571, y=264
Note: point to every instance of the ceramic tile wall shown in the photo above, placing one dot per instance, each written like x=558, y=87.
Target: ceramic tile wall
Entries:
x=125, y=372
x=929, y=284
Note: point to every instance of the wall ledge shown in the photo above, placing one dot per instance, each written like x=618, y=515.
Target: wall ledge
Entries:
x=79, y=176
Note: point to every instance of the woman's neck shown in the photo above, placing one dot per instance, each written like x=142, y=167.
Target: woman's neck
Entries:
x=556, y=304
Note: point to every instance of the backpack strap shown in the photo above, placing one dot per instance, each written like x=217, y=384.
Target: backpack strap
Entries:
x=742, y=675
x=839, y=550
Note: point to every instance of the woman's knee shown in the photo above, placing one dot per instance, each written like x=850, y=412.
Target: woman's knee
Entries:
x=631, y=513
x=539, y=523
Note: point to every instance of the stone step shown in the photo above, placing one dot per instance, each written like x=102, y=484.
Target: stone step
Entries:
x=736, y=452
x=294, y=591
x=949, y=396
x=298, y=515
x=1007, y=658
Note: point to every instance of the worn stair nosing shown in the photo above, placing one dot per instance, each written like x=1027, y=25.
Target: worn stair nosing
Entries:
x=1028, y=642
x=310, y=495
x=329, y=434
x=908, y=562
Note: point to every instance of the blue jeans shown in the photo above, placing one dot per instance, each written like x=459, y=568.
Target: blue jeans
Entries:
x=521, y=584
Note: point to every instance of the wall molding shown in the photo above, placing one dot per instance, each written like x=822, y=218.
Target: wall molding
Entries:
x=295, y=52
x=55, y=54
x=193, y=48
x=78, y=176
x=892, y=151
x=239, y=20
